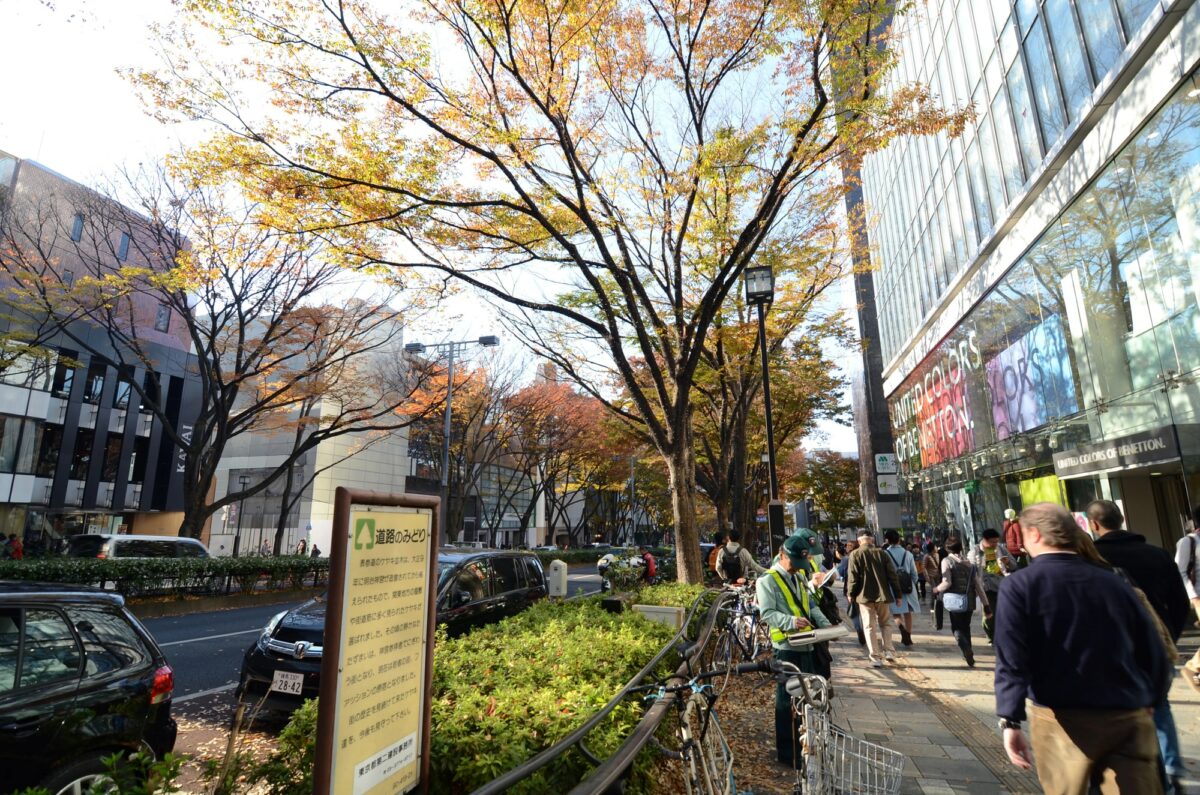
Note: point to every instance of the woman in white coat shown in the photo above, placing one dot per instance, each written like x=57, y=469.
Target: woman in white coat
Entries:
x=910, y=604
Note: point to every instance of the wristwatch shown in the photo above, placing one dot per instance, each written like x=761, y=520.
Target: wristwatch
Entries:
x=1005, y=723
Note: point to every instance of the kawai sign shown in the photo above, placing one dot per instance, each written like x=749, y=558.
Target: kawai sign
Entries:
x=931, y=414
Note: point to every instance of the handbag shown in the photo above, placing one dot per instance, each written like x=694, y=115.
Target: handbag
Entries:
x=954, y=602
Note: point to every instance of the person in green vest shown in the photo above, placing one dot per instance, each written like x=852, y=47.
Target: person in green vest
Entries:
x=783, y=601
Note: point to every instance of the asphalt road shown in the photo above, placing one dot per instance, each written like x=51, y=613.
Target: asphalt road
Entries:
x=206, y=649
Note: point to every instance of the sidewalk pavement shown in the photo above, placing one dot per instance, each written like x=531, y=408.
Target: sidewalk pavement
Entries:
x=940, y=714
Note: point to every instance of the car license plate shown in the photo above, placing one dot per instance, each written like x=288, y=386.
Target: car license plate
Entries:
x=284, y=682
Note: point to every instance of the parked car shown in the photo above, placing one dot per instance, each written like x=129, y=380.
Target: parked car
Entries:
x=107, y=545
x=475, y=588
x=80, y=680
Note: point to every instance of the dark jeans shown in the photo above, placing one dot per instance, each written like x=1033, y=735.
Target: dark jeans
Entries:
x=989, y=622
x=787, y=735
x=939, y=612
x=960, y=625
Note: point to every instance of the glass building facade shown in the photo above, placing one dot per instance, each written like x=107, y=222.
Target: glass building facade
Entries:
x=1038, y=280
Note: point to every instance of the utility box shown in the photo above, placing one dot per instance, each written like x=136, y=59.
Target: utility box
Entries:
x=556, y=578
x=671, y=616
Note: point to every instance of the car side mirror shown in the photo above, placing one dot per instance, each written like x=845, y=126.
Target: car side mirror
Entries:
x=460, y=598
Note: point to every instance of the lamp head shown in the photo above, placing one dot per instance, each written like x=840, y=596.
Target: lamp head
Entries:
x=489, y=340
x=414, y=347
x=760, y=285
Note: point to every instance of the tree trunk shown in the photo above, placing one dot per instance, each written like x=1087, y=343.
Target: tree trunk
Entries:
x=681, y=468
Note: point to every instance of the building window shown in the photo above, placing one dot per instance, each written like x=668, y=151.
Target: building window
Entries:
x=94, y=386
x=47, y=459
x=81, y=459
x=68, y=279
x=162, y=318
x=112, y=458
x=64, y=374
x=121, y=393
x=123, y=247
x=77, y=227
x=18, y=439
x=137, y=461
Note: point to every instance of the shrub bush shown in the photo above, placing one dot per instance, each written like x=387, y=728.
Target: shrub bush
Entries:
x=149, y=576
x=669, y=594
x=503, y=693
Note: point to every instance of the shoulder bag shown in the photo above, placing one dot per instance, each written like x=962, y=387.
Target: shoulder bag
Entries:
x=954, y=601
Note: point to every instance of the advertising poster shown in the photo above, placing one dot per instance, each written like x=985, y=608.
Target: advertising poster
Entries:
x=1031, y=381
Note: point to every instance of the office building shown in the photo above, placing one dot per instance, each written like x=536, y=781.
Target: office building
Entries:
x=1035, y=296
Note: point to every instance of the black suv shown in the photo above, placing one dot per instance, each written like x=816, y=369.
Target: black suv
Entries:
x=80, y=679
x=475, y=587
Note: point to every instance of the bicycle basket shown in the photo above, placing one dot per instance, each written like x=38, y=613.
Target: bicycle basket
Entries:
x=837, y=763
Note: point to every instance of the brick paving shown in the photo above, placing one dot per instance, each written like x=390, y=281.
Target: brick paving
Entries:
x=932, y=708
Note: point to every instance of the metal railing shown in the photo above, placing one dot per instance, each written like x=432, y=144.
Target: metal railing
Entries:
x=609, y=771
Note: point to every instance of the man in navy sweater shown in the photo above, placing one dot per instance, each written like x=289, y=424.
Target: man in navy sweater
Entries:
x=1076, y=640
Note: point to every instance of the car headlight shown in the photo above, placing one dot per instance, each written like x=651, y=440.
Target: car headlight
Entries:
x=269, y=629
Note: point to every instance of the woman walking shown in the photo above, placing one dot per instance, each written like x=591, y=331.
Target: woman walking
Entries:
x=959, y=587
x=909, y=604
x=932, y=564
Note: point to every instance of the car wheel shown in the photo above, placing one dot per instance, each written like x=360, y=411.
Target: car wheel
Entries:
x=85, y=776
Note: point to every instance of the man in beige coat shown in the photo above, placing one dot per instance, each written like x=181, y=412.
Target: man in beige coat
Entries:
x=872, y=582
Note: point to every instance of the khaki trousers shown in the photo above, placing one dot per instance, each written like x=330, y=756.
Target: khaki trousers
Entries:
x=877, y=626
x=1115, y=750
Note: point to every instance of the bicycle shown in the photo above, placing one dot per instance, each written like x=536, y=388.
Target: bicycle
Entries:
x=744, y=636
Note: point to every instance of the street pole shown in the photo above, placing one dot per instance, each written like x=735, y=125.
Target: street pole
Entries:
x=237, y=539
x=774, y=506
x=632, y=503
x=446, y=449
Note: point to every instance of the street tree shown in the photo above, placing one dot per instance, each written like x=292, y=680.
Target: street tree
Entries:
x=603, y=171
x=831, y=480
x=268, y=321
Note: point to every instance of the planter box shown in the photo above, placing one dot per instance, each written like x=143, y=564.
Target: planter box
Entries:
x=671, y=616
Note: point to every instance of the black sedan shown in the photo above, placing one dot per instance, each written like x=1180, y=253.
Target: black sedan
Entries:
x=475, y=587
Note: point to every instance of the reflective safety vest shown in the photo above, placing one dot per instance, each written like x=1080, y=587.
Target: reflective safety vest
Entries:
x=776, y=634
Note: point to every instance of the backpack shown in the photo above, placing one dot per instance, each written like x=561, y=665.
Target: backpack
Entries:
x=906, y=580
x=729, y=565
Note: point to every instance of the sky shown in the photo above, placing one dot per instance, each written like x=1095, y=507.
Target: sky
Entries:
x=65, y=105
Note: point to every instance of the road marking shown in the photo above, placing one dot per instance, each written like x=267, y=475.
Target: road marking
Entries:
x=210, y=637
x=210, y=692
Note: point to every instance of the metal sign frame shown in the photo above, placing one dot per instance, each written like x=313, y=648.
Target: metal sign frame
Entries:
x=331, y=663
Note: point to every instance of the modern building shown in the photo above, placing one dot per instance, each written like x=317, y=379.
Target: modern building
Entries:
x=77, y=452
x=1035, y=297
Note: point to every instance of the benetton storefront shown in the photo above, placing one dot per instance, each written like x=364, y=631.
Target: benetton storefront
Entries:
x=1078, y=374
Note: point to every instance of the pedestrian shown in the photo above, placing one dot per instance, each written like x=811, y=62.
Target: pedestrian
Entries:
x=959, y=588
x=602, y=566
x=302, y=548
x=1152, y=569
x=785, y=607
x=906, y=572
x=651, y=571
x=316, y=552
x=851, y=606
x=16, y=549
x=1077, y=642
x=932, y=564
x=873, y=584
x=735, y=564
x=718, y=542
x=1185, y=560
x=915, y=551
x=1012, y=537
x=994, y=562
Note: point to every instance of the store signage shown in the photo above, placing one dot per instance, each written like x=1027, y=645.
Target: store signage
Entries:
x=376, y=676
x=1137, y=450
x=886, y=464
x=971, y=487
x=888, y=484
x=932, y=419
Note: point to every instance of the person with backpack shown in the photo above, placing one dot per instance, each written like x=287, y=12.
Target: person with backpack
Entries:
x=735, y=564
x=718, y=543
x=932, y=564
x=906, y=572
x=959, y=587
x=1186, y=560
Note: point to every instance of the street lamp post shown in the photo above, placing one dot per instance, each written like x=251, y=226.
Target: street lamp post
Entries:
x=243, y=480
x=451, y=348
x=760, y=292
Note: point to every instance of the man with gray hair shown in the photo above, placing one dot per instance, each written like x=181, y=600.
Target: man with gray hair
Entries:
x=872, y=583
x=1074, y=638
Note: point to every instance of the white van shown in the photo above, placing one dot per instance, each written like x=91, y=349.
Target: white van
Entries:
x=107, y=545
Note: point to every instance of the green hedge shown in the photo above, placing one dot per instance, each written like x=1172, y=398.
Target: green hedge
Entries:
x=503, y=693
x=149, y=576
